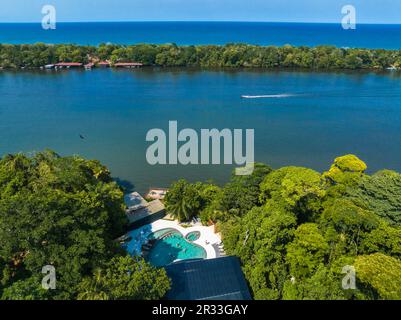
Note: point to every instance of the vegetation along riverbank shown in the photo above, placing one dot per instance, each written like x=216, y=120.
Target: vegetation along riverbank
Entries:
x=16, y=56
x=294, y=230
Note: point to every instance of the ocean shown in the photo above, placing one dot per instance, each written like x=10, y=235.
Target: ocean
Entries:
x=186, y=33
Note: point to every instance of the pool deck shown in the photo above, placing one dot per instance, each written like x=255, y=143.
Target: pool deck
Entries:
x=208, y=240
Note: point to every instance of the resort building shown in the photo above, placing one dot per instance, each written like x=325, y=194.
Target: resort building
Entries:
x=90, y=65
x=134, y=201
x=214, y=279
x=104, y=64
x=192, y=254
x=141, y=212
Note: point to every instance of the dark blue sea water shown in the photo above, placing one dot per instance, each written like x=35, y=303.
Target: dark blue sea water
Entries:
x=326, y=115
x=184, y=33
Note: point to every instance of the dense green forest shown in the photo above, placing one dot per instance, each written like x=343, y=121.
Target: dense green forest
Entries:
x=213, y=56
x=295, y=229
x=66, y=212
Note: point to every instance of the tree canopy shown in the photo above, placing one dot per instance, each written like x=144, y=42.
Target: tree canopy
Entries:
x=60, y=211
x=124, y=278
x=382, y=273
x=293, y=228
x=380, y=192
x=295, y=239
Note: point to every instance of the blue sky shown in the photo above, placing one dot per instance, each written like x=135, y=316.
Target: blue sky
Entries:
x=368, y=11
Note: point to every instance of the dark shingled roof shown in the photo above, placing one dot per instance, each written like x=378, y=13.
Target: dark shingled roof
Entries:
x=209, y=279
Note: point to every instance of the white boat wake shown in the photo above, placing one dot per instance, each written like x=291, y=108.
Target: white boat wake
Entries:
x=268, y=96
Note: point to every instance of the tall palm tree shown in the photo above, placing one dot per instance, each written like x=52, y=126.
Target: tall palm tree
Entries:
x=181, y=210
x=182, y=200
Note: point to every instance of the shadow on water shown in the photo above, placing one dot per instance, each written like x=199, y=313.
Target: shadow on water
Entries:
x=127, y=186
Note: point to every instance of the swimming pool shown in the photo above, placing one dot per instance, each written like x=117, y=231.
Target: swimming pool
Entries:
x=193, y=236
x=171, y=246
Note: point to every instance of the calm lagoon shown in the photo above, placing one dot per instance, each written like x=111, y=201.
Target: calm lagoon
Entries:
x=323, y=115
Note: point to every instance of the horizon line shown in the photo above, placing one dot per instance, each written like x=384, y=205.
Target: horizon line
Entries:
x=201, y=21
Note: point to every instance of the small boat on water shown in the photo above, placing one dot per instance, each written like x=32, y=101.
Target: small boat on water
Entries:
x=266, y=96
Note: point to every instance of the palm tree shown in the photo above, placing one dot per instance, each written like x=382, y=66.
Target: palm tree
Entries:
x=182, y=201
x=181, y=209
x=91, y=288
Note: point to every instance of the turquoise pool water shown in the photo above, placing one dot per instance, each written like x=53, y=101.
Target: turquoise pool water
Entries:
x=171, y=246
x=193, y=236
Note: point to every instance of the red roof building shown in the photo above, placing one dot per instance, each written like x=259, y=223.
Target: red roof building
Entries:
x=104, y=64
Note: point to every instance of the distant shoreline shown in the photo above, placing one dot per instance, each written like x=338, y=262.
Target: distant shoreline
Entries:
x=234, y=56
x=203, y=21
